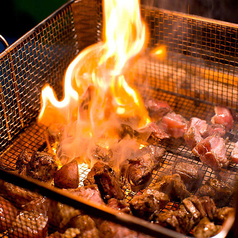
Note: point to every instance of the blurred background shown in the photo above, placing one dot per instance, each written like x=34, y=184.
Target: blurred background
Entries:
x=19, y=16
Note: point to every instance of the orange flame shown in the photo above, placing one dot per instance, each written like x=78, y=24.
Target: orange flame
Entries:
x=94, y=80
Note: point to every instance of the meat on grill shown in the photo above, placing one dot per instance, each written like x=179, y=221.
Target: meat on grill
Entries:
x=234, y=153
x=173, y=186
x=42, y=166
x=222, y=213
x=22, y=161
x=157, y=109
x=175, y=124
x=205, y=229
x=146, y=204
x=137, y=171
x=120, y=205
x=190, y=174
x=214, y=129
x=208, y=206
x=158, y=130
x=212, y=152
x=223, y=116
x=196, y=129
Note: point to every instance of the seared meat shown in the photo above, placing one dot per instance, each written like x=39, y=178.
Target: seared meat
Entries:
x=137, y=171
x=157, y=109
x=214, y=129
x=101, y=153
x=212, y=152
x=205, y=229
x=176, y=125
x=191, y=208
x=146, y=204
x=193, y=134
x=223, y=116
x=221, y=214
x=234, y=153
x=22, y=160
x=173, y=186
x=158, y=130
x=86, y=225
x=208, y=206
x=121, y=205
x=42, y=166
x=190, y=174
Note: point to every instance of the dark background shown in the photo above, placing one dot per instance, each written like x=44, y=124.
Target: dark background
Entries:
x=19, y=16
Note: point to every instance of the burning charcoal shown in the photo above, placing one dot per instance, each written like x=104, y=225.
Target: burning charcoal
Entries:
x=193, y=134
x=214, y=129
x=29, y=224
x=212, y=152
x=234, y=153
x=205, y=229
x=120, y=205
x=8, y=214
x=67, y=176
x=17, y=195
x=42, y=166
x=176, y=125
x=223, y=116
x=173, y=186
x=221, y=214
x=157, y=109
x=86, y=225
x=146, y=204
x=138, y=170
x=22, y=161
x=190, y=174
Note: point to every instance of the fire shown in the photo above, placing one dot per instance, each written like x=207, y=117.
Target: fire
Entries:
x=97, y=96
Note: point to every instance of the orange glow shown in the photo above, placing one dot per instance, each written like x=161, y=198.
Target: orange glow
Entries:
x=95, y=88
x=159, y=52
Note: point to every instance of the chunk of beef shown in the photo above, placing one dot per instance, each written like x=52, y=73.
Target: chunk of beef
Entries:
x=212, y=152
x=193, y=134
x=146, y=204
x=208, y=206
x=205, y=229
x=101, y=153
x=221, y=214
x=173, y=186
x=214, y=129
x=42, y=166
x=223, y=116
x=120, y=205
x=22, y=161
x=138, y=170
x=158, y=130
x=175, y=124
x=190, y=174
x=234, y=153
x=157, y=109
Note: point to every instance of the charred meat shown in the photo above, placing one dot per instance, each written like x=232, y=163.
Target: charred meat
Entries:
x=223, y=116
x=22, y=161
x=190, y=174
x=42, y=166
x=214, y=129
x=212, y=152
x=120, y=205
x=196, y=129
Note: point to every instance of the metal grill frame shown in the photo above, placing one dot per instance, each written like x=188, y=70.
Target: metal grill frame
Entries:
x=200, y=71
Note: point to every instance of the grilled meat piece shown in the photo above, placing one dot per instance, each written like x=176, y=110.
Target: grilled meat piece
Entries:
x=158, y=130
x=22, y=161
x=223, y=116
x=212, y=152
x=70, y=232
x=191, y=208
x=173, y=186
x=86, y=225
x=234, y=153
x=137, y=171
x=146, y=204
x=193, y=134
x=157, y=109
x=208, y=206
x=120, y=205
x=205, y=229
x=8, y=214
x=214, y=129
x=42, y=166
x=221, y=214
x=101, y=153
x=190, y=174
x=176, y=125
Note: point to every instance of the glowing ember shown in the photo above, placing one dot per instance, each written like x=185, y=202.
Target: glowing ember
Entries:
x=97, y=97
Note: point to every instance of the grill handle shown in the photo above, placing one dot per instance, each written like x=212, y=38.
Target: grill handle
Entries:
x=4, y=41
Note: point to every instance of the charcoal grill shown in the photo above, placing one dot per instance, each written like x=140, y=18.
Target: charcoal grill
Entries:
x=200, y=70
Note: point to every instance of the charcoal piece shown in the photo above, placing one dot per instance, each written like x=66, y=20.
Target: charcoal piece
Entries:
x=205, y=229
x=22, y=161
x=86, y=225
x=120, y=205
x=173, y=186
x=42, y=166
x=190, y=174
x=146, y=204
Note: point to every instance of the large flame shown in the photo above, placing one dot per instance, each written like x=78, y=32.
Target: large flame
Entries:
x=96, y=91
